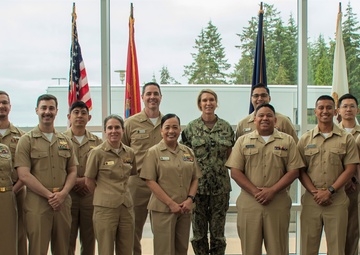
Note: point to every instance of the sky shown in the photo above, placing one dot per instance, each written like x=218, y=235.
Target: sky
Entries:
x=36, y=38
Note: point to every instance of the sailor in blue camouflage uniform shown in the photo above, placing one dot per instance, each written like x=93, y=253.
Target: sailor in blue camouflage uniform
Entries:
x=211, y=138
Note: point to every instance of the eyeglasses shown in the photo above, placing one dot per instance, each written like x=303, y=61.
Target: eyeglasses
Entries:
x=263, y=95
x=351, y=106
x=4, y=102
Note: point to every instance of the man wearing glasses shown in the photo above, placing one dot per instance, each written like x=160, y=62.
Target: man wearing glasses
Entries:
x=260, y=95
x=347, y=109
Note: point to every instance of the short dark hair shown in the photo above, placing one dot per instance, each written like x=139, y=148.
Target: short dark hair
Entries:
x=78, y=104
x=168, y=116
x=345, y=96
x=46, y=97
x=260, y=85
x=265, y=105
x=148, y=84
x=324, y=97
x=6, y=94
x=114, y=116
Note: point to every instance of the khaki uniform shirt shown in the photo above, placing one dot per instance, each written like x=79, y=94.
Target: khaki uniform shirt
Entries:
x=111, y=171
x=283, y=124
x=174, y=171
x=326, y=158
x=82, y=150
x=264, y=164
x=355, y=132
x=211, y=148
x=5, y=166
x=140, y=134
x=11, y=138
x=48, y=161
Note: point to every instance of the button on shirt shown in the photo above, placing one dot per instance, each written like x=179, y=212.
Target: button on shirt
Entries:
x=174, y=171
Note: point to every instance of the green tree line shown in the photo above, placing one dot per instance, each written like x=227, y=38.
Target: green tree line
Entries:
x=210, y=65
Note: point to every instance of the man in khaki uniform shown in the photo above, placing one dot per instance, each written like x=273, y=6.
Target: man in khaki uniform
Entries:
x=46, y=163
x=82, y=200
x=330, y=155
x=142, y=131
x=10, y=135
x=261, y=94
x=347, y=109
x=264, y=163
x=8, y=212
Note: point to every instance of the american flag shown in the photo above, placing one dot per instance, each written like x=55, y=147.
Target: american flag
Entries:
x=78, y=84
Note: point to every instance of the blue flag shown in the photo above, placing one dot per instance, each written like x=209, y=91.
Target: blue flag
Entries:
x=259, y=72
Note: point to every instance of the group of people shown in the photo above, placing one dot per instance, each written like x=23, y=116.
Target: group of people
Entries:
x=105, y=190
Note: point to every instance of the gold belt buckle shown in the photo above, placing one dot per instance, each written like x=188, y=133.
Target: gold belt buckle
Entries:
x=55, y=189
x=2, y=189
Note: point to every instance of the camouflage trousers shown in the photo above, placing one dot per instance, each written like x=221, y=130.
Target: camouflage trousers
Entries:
x=209, y=215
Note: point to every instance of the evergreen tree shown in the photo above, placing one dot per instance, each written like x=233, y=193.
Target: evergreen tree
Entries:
x=321, y=62
x=165, y=77
x=210, y=65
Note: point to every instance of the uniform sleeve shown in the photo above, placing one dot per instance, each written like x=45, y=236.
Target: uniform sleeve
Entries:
x=126, y=138
x=92, y=164
x=148, y=171
x=239, y=130
x=290, y=129
x=73, y=161
x=236, y=158
x=185, y=137
x=23, y=152
x=295, y=159
x=352, y=153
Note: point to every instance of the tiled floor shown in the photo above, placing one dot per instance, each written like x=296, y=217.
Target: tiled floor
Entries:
x=233, y=241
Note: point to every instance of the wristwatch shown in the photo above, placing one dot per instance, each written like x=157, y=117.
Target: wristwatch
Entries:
x=192, y=198
x=332, y=190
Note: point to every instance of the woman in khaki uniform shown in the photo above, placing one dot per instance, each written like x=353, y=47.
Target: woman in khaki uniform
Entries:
x=171, y=173
x=107, y=172
x=8, y=211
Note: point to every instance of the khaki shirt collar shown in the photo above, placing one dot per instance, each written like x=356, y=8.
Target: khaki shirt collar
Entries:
x=356, y=129
x=88, y=136
x=336, y=131
x=275, y=135
x=163, y=147
x=143, y=117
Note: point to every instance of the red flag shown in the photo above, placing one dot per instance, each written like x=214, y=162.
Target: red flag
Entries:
x=78, y=84
x=132, y=90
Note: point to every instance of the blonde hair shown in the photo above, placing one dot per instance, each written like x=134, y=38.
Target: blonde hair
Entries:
x=210, y=91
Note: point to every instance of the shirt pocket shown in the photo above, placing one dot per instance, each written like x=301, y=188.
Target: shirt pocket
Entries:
x=312, y=156
x=199, y=145
x=40, y=159
x=336, y=156
x=252, y=157
x=280, y=159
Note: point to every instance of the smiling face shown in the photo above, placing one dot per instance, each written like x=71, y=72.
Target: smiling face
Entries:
x=151, y=97
x=325, y=111
x=114, y=132
x=207, y=103
x=5, y=106
x=260, y=96
x=46, y=111
x=170, y=131
x=265, y=121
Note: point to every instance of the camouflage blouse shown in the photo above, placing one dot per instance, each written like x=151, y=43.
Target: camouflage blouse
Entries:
x=210, y=147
